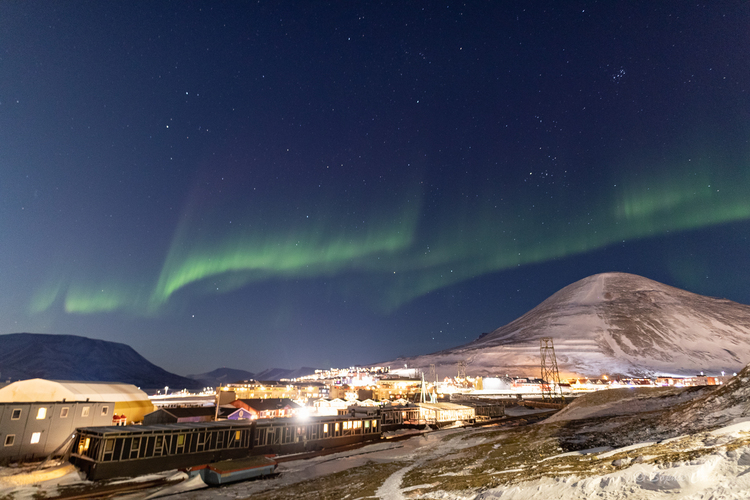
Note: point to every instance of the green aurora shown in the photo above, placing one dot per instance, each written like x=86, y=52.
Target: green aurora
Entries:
x=403, y=255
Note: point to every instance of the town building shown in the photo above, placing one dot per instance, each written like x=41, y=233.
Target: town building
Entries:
x=445, y=413
x=180, y=414
x=395, y=388
x=330, y=406
x=268, y=408
x=276, y=390
x=37, y=416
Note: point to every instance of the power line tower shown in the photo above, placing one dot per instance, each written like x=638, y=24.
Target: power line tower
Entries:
x=432, y=377
x=550, y=373
x=462, y=369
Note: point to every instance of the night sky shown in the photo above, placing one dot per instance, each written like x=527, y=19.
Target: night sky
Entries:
x=286, y=184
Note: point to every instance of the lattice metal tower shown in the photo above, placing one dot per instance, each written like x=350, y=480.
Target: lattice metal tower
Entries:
x=432, y=377
x=462, y=369
x=550, y=374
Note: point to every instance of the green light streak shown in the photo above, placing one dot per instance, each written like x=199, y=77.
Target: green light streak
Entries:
x=642, y=210
x=402, y=251
x=85, y=300
x=45, y=297
x=300, y=253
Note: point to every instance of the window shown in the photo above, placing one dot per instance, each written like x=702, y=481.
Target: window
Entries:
x=85, y=411
x=109, y=445
x=16, y=414
x=135, y=444
x=64, y=412
x=237, y=435
x=181, y=440
x=35, y=437
x=325, y=428
x=10, y=439
x=105, y=410
x=83, y=445
x=41, y=413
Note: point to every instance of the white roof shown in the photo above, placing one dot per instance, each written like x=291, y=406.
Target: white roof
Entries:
x=41, y=390
x=444, y=406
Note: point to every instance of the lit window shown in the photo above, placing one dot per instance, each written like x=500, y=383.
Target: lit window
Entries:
x=10, y=439
x=336, y=427
x=35, y=437
x=16, y=414
x=367, y=424
x=85, y=411
x=41, y=413
x=83, y=445
x=237, y=435
x=181, y=440
x=374, y=423
x=105, y=410
x=64, y=412
x=325, y=428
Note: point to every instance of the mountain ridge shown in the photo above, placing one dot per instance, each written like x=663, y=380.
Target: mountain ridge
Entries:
x=72, y=357
x=611, y=323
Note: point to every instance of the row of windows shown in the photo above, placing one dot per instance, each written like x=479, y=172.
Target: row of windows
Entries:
x=134, y=447
x=274, y=435
x=41, y=413
x=10, y=439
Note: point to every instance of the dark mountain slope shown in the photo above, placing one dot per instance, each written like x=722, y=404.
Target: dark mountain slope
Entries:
x=70, y=357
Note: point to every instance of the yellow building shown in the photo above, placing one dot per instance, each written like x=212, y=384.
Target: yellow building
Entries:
x=129, y=401
x=394, y=388
x=295, y=391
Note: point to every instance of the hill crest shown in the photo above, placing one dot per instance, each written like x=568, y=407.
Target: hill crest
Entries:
x=616, y=324
x=71, y=357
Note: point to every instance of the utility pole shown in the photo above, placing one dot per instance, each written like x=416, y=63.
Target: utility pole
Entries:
x=550, y=373
x=462, y=369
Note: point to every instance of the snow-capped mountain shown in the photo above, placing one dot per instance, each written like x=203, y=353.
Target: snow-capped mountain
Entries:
x=613, y=323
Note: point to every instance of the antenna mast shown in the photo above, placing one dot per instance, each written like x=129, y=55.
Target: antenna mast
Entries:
x=550, y=373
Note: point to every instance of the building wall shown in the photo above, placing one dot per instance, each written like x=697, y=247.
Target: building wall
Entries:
x=57, y=423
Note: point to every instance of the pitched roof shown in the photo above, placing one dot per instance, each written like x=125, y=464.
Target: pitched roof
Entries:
x=270, y=404
x=193, y=411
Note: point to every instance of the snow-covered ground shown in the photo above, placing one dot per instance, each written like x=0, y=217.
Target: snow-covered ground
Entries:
x=637, y=444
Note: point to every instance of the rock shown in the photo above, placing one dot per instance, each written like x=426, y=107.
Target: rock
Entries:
x=744, y=459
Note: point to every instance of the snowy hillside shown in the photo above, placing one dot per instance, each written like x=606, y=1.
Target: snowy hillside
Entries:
x=613, y=323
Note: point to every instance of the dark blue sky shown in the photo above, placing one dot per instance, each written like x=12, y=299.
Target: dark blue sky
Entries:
x=283, y=184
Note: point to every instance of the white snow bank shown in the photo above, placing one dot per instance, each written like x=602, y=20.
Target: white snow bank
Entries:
x=640, y=482
x=626, y=449
x=735, y=428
